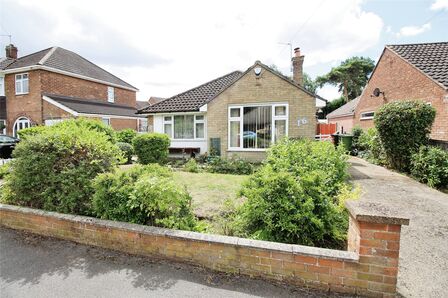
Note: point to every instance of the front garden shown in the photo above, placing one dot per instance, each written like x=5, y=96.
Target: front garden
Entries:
x=295, y=196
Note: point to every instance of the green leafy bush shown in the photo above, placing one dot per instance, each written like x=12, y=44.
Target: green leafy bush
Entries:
x=237, y=166
x=90, y=124
x=53, y=170
x=191, y=166
x=126, y=135
x=292, y=198
x=144, y=195
x=370, y=147
x=403, y=126
x=430, y=165
x=4, y=170
x=356, y=133
x=151, y=147
x=127, y=151
x=31, y=131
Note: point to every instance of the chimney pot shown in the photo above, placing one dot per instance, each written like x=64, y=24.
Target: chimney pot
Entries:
x=297, y=67
x=11, y=51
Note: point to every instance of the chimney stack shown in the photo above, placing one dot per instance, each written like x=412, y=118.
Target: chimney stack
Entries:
x=11, y=51
x=297, y=67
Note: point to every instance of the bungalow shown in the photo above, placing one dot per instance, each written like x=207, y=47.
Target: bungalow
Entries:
x=240, y=113
x=344, y=116
x=409, y=72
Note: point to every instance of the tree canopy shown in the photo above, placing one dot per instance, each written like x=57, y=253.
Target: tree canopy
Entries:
x=350, y=77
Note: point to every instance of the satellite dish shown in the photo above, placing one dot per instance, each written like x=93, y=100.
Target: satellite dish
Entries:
x=376, y=92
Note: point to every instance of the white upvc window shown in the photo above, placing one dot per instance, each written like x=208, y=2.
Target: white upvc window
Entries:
x=184, y=126
x=142, y=125
x=367, y=115
x=106, y=121
x=22, y=83
x=2, y=86
x=256, y=127
x=110, y=94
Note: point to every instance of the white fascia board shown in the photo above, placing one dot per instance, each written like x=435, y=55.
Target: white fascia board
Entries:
x=61, y=106
x=203, y=108
x=70, y=74
x=108, y=116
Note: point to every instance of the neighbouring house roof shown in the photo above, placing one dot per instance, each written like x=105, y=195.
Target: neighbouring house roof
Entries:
x=429, y=58
x=80, y=106
x=346, y=110
x=59, y=59
x=5, y=61
x=193, y=99
x=154, y=99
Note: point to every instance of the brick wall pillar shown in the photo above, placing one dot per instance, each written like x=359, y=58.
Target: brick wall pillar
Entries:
x=376, y=238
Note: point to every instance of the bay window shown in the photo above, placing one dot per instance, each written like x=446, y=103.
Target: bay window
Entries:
x=256, y=127
x=184, y=127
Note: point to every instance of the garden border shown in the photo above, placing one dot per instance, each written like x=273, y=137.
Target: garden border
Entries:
x=369, y=267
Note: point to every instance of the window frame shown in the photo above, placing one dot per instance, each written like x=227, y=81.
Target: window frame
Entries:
x=21, y=83
x=240, y=119
x=362, y=117
x=195, y=121
x=3, y=131
x=19, y=120
x=108, y=121
x=110, y=90
x=139, y=125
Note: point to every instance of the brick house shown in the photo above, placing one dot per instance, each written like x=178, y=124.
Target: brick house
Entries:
x=240, y=113
x=344, y=116
x=409, y=72
x=56, y=84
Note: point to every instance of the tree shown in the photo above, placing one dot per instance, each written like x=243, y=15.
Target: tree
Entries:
x=333, y=105
x=350, y=77
x=309, y=84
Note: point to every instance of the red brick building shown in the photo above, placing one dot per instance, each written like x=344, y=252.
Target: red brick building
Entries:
x=409, y=72
x=56, y=84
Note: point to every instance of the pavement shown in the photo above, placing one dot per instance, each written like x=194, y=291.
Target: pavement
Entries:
x=423, y=267
x=36, y=266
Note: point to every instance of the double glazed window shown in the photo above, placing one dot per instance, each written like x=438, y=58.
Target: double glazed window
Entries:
x=22, y=83
x=257, y=127
x=187, y=126
x=367, y=115
x=110, y=94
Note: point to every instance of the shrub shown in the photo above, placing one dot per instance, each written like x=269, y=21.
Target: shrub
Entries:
x=53, y=169
x=127, y=151
x=89, y=124
x=31, y=131
x=151, y=148
x=112, y=191
x=403, y=126
x=4, y=170
x=237, y=166
x=430, y=165
x=191, y=166
x=292, y=198
x=126, y=135
x=370, y=147
x=356, y=132
x=144, y=195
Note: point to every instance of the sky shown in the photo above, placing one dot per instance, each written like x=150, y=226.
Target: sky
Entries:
x=166, y=47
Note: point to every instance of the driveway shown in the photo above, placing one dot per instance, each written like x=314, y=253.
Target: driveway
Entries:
x=423, y=268
x=35, y=266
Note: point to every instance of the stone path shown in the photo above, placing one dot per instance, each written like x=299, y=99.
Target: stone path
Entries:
x=423, y=268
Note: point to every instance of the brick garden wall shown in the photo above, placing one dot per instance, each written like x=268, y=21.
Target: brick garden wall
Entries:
x=369, y=267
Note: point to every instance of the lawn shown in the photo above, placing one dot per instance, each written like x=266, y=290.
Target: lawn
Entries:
x=209, y=190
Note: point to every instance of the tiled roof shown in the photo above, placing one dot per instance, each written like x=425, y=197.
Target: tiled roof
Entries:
x=4, y=62
x=346, y=110
x=193, y=99
x=93, y=106
x=430, y=58
x=68, y=61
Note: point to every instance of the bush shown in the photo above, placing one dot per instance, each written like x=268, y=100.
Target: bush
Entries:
x=237, y=166
x=151, y=148
x=126, y=135
x=430, y=165
x=191, y=166
x=292, y=198
x=127, y=151
x=370, y=148
x=53, y=169
x=356, y=133
x=143, y=195
x=89, y=124
x=4, y=170
x=403, y=126
x=31, y=131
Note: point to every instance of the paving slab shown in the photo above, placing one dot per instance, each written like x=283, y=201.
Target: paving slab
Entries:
x=423, y=268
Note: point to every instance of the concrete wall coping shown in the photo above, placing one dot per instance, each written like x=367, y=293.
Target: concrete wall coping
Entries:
x=195, y=236
x=375, y=212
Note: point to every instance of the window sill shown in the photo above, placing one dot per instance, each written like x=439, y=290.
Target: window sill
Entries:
x=22, y=93
x=245, y=150
x=367, y=118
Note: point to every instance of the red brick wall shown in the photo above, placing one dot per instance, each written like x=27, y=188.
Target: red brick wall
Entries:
x=401, y=81
x=119, y=124
x=369, y=268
